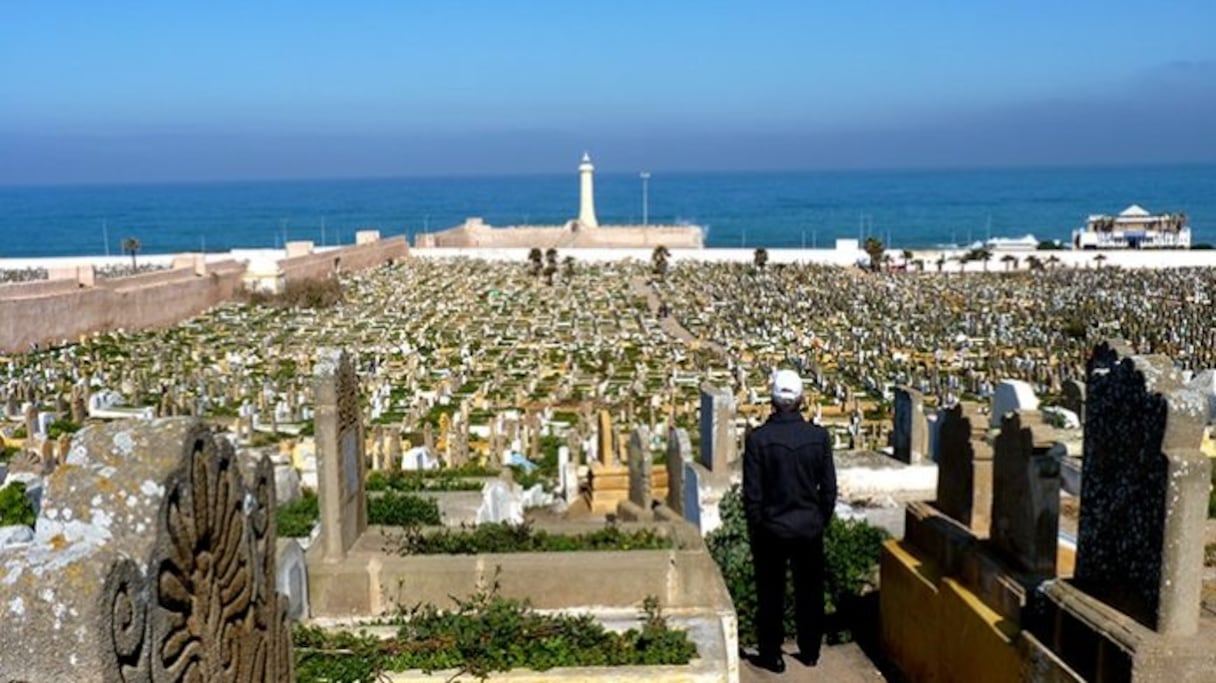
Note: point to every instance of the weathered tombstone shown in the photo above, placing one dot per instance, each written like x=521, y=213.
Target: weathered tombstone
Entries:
x=30, y=414
x=604, y=434
x=717, y=427
x=910, y=437
x=692, y=494
x=964, y=469
x=152, y=561
x=1145, y=486
x=1025, y=498
x=641, y=469
x=1011, y=395
x=340, y=464
x=1074, y=398
x=292, y=578
x=679, y=452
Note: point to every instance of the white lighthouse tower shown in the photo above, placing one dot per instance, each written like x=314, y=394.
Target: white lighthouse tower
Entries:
x=586, y=194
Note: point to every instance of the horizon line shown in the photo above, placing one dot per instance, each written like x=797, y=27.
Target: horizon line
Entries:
x=476, y=175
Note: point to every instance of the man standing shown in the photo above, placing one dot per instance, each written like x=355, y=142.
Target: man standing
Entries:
x=789, y=493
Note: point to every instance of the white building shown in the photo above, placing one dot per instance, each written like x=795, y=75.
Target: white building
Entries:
x=1134, y=228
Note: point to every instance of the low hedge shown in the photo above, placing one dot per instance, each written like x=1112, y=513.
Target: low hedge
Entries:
x=406, y=480
x=297, y=518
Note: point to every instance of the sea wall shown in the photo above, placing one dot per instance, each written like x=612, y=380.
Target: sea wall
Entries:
x=60, y=310
x=475, y=233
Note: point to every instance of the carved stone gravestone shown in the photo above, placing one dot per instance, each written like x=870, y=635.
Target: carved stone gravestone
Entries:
x=964, y=469
x=1145, y=486
x=340, y=463
x=153, y=560
x=1025, y=499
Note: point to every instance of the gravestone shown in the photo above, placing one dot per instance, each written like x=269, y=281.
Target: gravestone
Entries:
x=1025, y=498
x=1011, y=395
x=717, y=427
x=964, y=468
x=153, y=560
x=1074, y=398
x=340, y=463
x=604, y=438
x=910, y=437
x=691, y=481
x=1145, y=486
x=292, y=578
x=679, y=452
x=641, y=469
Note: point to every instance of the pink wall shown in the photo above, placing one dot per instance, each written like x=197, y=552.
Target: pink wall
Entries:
x=129, y=303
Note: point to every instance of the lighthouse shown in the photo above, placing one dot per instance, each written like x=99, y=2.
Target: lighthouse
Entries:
x=586, y=194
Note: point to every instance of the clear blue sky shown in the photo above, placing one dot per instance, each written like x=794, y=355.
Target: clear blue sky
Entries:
x=115, y=91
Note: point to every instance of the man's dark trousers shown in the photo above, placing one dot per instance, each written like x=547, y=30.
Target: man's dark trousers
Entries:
x=805, y=557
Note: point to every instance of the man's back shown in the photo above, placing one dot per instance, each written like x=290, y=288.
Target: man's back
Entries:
x=789, y=479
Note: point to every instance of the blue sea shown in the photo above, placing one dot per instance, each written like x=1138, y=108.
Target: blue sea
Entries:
x=906, y=209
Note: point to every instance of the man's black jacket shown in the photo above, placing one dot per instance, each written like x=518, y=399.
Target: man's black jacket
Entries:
x=789, y=479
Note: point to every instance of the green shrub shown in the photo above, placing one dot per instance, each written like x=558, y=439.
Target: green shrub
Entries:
x=60, y=427
x=523, y=538
x=297, y=518
x=15, y=506
x=485, y=634
x=402, y=509
x=851, y=554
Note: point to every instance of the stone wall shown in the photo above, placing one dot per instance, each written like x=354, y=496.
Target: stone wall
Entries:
x=325, y=264
x=54, y=311
x=153, y=560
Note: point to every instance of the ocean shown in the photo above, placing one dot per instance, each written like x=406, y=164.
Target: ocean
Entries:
x=906, y=209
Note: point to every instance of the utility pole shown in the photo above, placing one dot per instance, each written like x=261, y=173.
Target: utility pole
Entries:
x=645, y=198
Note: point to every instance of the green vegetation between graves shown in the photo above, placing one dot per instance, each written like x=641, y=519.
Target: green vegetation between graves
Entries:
x=851, y=554
x=522, y=538
x=484, y=634
x=297, y=518
x=406, y=480
x=15, y=506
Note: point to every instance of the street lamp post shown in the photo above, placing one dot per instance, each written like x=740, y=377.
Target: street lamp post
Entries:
x=645, y=198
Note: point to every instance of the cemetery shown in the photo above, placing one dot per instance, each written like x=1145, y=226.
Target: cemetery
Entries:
x=548, y=445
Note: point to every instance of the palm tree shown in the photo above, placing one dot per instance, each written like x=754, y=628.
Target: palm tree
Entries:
x=568, y=267
x=551, y=257
x=906, y=254
x=963, y=259
x=1052, y=260
x=760, y=258
x=980, y=254
x=536, y=258
x=1010, y=261
x=941, y=261
x=920, y=265
x=1034, y=262
x=1100, y=259
x=658, y=260
x=131, y=246
x=874, y=248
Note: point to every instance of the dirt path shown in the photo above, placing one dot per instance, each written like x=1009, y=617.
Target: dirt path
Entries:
x=670, y=325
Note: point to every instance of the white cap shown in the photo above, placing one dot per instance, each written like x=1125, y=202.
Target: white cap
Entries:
x=787, y=386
